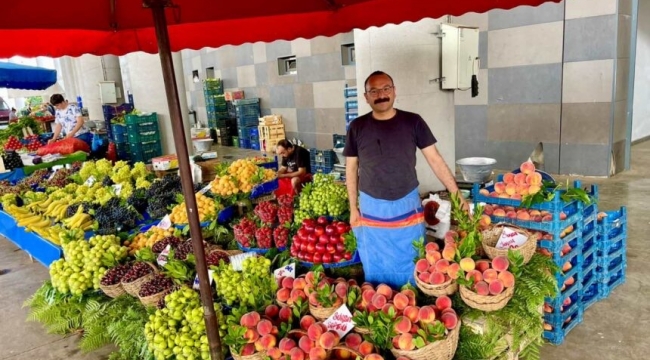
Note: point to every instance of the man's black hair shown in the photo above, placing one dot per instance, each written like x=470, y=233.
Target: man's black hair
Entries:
x=376, y=73
x=56, y=99
x=285, y=144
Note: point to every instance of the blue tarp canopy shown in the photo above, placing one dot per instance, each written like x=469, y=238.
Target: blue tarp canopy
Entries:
x=16, y=76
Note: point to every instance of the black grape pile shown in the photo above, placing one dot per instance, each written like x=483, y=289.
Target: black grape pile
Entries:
x=138, y=199
x=114, y=217
x=106, y=182
x=87, y=206
x=161, y=194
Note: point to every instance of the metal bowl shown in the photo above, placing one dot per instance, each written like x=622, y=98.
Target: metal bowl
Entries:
x=476, y=169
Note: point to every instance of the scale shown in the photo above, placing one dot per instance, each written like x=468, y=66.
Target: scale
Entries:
x=467, y=185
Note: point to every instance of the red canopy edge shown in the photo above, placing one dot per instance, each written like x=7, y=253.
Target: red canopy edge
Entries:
x=197, y=35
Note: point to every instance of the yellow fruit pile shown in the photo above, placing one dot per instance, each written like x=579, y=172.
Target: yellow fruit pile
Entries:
x=147, y=239
x=207, y=210
x=243, y=175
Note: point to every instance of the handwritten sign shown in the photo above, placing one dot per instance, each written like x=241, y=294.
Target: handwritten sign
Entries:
x=117, y=188
x=286, y=271
x=510, y=239
x=165, y=223
x=52, y=176
x=340, y=322
x=162, y=258
x=90, y=181
x=238, y=260
x=205, y=189
x=196, y=279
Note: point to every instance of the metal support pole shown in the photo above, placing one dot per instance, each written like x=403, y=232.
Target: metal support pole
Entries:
x=211, y=324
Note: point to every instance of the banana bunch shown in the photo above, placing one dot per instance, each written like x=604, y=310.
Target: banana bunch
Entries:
x=33, y=222
x=57, y=209
x=53, y=234
x=79, y=220
x=40, y=205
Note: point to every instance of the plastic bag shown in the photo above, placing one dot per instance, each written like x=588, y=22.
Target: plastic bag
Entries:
x=64, y=147
x=443, y=215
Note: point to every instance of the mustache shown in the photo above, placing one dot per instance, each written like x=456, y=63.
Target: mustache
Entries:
x=381, y=100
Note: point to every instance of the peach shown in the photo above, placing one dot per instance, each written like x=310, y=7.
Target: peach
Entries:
x=499, y=213
x=534, y=189
x=366, y=348
x=395, y=341
x=484, y=192
x=437, y=278
x=507, y=279
x=482, y=265
x=562, y=216
x=504, y=196
x=516, y=197
x=295, y=295
x=566, y=249
x=248, y=349
x=490, y=275
x=410, y=294
x=494, y=194
x=274, y=353
x=534, y=213
x=433, y=256
x=475, y=275
x=328, y=340
x=522, y=189
x=488, y=209
x=485, y=221
x=548, y=308
x=449, y=252
x=496, y=287
x=305, y=344
x=341, y=289
x=427, y=315
x=545, y=252
x=424, y=276
x=448, y=310
x=567, y=301
x=547, y=217
x=500, y=263
x=431, y=246
x=511, y=189
x=443, y=302
x=264, y=327
x=548, y=327
x=299, y=283
x=403, y=325
x=520, y=179
x=413, y=313
x=367, y=286
x=500, y=188
x=313, y=299
x=532, y=179
x=567, y=266
x=268, y=341
x=442, y=265
x=285, y=314
x=467, y=264
x=317, y=353
x=527, y=167
x=508, y=178
x=250, y=319
x=405, y=342
x=401, y=301
x=570, y=281
x=353, y=341
x=367, y=295
x=379, y=301
x=287, y=282
x=453, y=271
x=296, y=354
x=351, y=282
x=524, y=216
x=385, y=290
x=422, y=265
x=387, y=308
x=307, y=321
x=450, y=320
x=251, y=336
x=272, y=311
x=414, y=329
x=482, y=288
x=342, y=354
x=283, y=295
x=537, y=218
x=373, y=356
x=310, y=278
x=601, y=215
x=511, y=215
x=314, y=332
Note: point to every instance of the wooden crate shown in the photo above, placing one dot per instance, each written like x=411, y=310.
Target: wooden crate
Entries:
x=271, y=131
x=208, y=169
x=270, y=120
x=268, y=145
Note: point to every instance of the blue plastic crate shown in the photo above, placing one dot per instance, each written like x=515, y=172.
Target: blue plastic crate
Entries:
x=351, y=116
x=590, y=259
x=350, y=92
x=227, y=214
x=321, y=169
x=560, y=331
x=589, y=294
x=607, y=284
x=559, y=310
x=589, y=213
x=255, y=145
x=325, y=158
x=244, y=143
x=612, y=264
x=612, y=249
x=257, y=250
x=612, y=224
x=554, y=206
x=338, y=141
x=556, y=244
x=271, y=164
x=265, y=188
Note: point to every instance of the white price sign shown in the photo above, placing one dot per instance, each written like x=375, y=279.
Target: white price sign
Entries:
x=117, y=188
x=165, y=223
x=162, y=258
x=510, y=239
x=286, y=271
x=90, y=181
x=238, y=260
x=340, y=322
x=196, y=279
x=205, y=189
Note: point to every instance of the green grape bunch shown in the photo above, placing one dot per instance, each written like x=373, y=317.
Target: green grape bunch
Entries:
x=253, y=286
x=323, y=198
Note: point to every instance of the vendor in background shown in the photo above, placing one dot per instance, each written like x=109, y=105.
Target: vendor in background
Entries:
x=68, y=118
x=296, y=166
x=13, y=116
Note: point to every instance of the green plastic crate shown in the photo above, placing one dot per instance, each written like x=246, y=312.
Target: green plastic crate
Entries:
x=141, y=119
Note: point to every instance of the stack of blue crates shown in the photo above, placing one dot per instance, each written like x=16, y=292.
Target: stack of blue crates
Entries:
x=248, y=112
x=249, y=137
x=322, y=160
x=592, y=256
x=111, y=111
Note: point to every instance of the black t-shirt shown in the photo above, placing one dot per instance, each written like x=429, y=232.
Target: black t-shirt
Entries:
x=299, y=158
x=386, y=151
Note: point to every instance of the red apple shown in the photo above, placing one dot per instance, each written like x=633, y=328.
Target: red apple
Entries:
x=317, y=258
x=296, y=239
x=341, y=227
x=330, y=229
x=309, y=227
x=319, y=230
x=347, y=256
x=337, y=257
x=312, y=238
x=303, y=233
x=340, y=248
x=301, y=256
x=320, y=248
x=322, y=220
x=324, y=239
x=303, y=247
x=327, y=258
x=331, y=248
x=334, y=239
x=311, y=247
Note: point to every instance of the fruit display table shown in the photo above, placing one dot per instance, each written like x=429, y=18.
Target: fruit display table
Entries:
x=34, y=245
x=72, y=158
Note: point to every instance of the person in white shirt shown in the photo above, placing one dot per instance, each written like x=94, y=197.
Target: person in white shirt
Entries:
x=13, y=116
x=69, y=120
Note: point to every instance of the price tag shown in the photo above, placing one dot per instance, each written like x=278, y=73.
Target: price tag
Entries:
x=205, y=189
x=90, y=181
x=162, y=258
x=238, y=260
x=52, y=176
x=340, y=322
x=196, y=279
x=286, y=271
x=117, y=188
x=510, y=239
x=165, y=223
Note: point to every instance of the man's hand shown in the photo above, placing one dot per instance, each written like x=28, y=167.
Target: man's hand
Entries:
x=51, y=141
x=355, y=217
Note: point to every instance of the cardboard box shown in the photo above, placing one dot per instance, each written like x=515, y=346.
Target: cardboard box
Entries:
x=234, y=95
x=167, y=162
x=208, y=169
x=271, y=120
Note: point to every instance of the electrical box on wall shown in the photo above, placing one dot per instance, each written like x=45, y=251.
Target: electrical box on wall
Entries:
x=108, y=92
x=459, y=55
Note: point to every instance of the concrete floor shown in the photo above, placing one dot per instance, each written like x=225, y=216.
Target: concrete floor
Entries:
x=615, y=328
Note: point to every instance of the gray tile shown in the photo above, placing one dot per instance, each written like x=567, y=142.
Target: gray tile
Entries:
x=227, y=56
x=266, y=111
x=244, y=54
x=330, y=121
x=588, y=160
x=209, y=60
x=622, y=78
x=624, y=36
x=278, y=49
x=625, y=6
x=618, y=151
x=510, y=154
x=323, y=141
x=471, y=130
x=525, y=15
x=483, y=48
x=309, y=139
x=620, y=121
x=290, y=135
x=304, y=95
x=586, y=123
x=346, y=38
x=229, y=77
x=306, y=120
x=525, y=84
x=322, y=67
x=282, y=96
x=262, y=74
x=275, y=78
x=590, y=38
x=524, y=122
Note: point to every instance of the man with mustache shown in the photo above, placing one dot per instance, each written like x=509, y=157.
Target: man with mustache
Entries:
x=385, y=208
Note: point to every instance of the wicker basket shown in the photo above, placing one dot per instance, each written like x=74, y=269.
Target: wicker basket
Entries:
x=491, y=237
x=321, y=313
x=152, y=300
x=362, y=330
x=486, y=303
x=355, y=354
x=257, y=356
x=439, y=350
x=133, y=288
x=113, y=290
x=447, y=288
